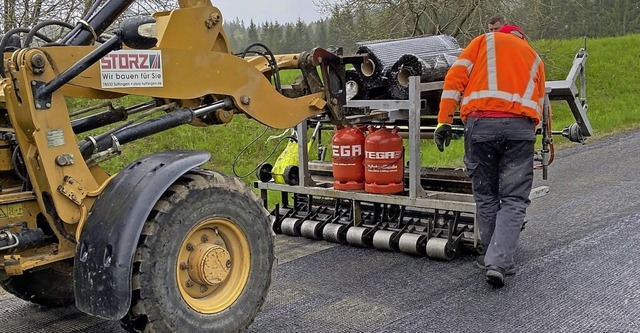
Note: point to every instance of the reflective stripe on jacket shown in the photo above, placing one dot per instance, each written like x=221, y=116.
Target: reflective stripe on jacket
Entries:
x=495, y=72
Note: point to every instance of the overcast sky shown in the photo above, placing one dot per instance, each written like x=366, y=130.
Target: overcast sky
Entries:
x=261, y=11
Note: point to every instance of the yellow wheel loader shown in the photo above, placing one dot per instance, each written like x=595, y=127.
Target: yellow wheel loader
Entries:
x=163, y=245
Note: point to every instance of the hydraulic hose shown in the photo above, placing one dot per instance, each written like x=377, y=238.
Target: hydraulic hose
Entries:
x=273, y=63
x=7, y=37
x=37, y=27
x=98, y=23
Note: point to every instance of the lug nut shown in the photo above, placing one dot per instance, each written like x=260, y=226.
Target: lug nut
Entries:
x=184, y=265
x=203, y=289
x=189, y=247
x=189, y=283
x=228, y=264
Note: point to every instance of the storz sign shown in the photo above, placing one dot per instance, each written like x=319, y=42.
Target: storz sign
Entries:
x=131, y=68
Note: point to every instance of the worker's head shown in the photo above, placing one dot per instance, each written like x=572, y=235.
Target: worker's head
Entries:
x=514, y=30
x=495, y=23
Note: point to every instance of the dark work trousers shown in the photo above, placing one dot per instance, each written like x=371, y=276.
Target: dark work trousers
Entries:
x=499, y=160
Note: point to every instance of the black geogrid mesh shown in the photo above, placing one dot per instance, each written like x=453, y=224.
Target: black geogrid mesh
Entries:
x=384, y=54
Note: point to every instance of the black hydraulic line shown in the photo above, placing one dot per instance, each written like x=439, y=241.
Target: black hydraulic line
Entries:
x=18, y=169
x=98, y=120
x=24, y=239
x=272, y=62
x=91, y=108
x=44, y=92
x=141, y=107
x=153, y=126
x=108, y=117
x=138, y=131
x=89, y=143
x=99, y=22
x=9, y=41
x=149, y=127
x=7, y=38
x=92, y=10
x=87, y=16
x=37, y=27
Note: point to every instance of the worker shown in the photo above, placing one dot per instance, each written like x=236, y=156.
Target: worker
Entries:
x=495, y=23
x=499, y=82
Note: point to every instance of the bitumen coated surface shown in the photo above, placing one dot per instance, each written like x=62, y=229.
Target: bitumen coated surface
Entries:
x=578, y=270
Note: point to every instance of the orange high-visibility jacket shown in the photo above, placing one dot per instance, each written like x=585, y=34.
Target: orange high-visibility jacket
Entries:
x=495, y=72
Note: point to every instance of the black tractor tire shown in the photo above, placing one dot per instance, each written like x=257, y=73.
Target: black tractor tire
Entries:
x=49, y=286
x=159, y=303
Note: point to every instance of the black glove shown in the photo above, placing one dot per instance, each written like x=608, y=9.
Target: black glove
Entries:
x=442, y=136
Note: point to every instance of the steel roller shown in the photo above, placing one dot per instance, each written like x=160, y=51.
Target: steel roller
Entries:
x=410, y=243
x=288, y=226
x=437, y=248
x=310, y=229
x=334, y=232
x=355, y=236
x=382, y=240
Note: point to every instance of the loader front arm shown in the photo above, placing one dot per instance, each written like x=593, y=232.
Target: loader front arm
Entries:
x=189, y=73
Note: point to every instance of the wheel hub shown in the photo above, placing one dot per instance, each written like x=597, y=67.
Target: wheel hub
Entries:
x=213, y=265
x=209, y=264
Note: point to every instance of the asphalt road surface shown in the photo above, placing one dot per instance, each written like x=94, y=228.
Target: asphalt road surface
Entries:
x=578, y=270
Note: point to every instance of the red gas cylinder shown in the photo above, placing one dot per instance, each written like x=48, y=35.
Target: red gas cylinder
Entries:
x=347, y=154
x=384, y=161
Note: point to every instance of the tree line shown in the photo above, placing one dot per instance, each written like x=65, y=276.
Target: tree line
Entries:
x=279, y=38
x=351, y=21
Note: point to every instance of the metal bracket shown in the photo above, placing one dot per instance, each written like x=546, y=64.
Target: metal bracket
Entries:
x=115, y=150
x=72, y=190
x=568, y=90
x=415, y=188
x=13, y=265
x=303, y=156
x=333, y=76
x=42, y=102
x=357, y=212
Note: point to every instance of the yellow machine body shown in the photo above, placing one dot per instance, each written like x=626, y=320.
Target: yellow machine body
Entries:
x=197, y=65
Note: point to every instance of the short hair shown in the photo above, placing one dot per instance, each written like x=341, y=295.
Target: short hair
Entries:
x=496, y=19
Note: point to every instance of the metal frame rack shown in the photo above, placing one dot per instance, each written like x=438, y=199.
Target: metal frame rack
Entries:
x=417, y=196
x=429, y=240
x=435, y=223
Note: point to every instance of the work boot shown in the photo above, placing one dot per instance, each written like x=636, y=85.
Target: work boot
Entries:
x=480, y=263
x=495, y=276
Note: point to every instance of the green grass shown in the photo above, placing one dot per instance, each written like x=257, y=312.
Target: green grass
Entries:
x=613, y=73
x=613, y=79
x=613, y=82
